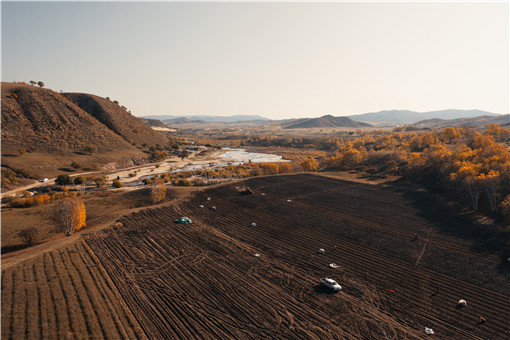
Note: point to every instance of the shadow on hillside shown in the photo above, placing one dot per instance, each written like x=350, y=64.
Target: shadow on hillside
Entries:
x=452, y=221
x=8, y=249
x=66, y=169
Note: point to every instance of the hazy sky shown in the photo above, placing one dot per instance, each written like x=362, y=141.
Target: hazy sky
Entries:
x=278, y=60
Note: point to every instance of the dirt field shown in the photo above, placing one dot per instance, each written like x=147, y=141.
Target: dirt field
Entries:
x=64, y=294
x=191, y=281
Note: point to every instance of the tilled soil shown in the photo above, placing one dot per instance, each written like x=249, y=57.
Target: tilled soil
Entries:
x=202, y=280
x=64, y=294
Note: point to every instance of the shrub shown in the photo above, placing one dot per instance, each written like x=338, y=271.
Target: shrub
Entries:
x=132, y=174
x=63, y=180
x=183, y=182
x=117, y=184
x=90, y=149
x=29, y=235
x=75, y=165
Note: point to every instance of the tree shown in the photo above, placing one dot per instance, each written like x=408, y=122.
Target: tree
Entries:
x=184, y=154
x=91, y=148
x=158, y=190
x=63, y=180
x=449, y=134
x=40, y=83
x=100, y=181
x=70, y=215
x=310, y=164
x=29, y=235
x=32, y=82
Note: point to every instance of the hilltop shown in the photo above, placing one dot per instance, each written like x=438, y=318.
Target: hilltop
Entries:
x=117, y=119
x=43, y=131
x=326, y=121
x=476, y=121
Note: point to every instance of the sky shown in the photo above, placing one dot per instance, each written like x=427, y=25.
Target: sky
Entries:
x=277, y=60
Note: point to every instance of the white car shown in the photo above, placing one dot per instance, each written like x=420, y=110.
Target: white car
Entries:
x=331, y=284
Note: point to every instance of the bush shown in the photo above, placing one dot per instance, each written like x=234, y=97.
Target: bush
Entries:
x=76, y=165
x=132, y=174
x=183, y=182
x=90, y=149
x=117, y=184
x=29, y=235
x=63, y=180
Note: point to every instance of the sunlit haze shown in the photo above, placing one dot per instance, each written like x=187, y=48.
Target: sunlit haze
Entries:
x=277, y=60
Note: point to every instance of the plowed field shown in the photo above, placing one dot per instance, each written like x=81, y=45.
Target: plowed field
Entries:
x=64, y=294
x=203, y=280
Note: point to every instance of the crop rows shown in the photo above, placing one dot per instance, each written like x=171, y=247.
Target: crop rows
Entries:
x=203, y=280
x=63, y=294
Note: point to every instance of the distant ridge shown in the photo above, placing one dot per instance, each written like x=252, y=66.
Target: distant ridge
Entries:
x=400, y=117
x=476, y=121
x=326, y=121
x=153, y=122
x=210, y=119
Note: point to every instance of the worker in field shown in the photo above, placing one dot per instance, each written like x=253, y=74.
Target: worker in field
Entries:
x=482, y=320
x=416, y=237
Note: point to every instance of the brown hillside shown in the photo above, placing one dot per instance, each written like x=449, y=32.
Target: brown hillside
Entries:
x=117, y=119
x=54, y=131
x=327, y=121
x=42, y=120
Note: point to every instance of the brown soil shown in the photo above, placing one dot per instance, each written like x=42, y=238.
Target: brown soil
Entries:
x=185, y=281
x=64, y=294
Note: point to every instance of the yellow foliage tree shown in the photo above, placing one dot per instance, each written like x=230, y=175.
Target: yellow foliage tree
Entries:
x=158, y=190
x=70, y=215
x=310, y=164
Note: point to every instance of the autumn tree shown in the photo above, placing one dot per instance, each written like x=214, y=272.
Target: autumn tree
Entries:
x=158, y=190
x=40, y=83
x=100, y=181
x=310, y=164
x=70, y=215
x=29, y=235
x=184, y=154
x=270, y=168
x=33, y=82
x=449, y=134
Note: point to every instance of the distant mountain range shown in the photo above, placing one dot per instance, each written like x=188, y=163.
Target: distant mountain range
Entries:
x=207, y=119
x=403, y=117
x=381, y=118
x=503, y=120
x=324, y=122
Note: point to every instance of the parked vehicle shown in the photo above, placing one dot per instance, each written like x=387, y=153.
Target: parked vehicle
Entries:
x=331, y=284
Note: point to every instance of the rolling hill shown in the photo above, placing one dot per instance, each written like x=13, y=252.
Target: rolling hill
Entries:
x=44, y=131
x=117, y=119
x=324, y=122
x=502, y=120
x=399, y=117
x=209, y=119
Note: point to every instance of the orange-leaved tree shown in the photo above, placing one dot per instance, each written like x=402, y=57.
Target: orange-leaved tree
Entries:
x=70, y=215
x=310, y=164
x=158, y=190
